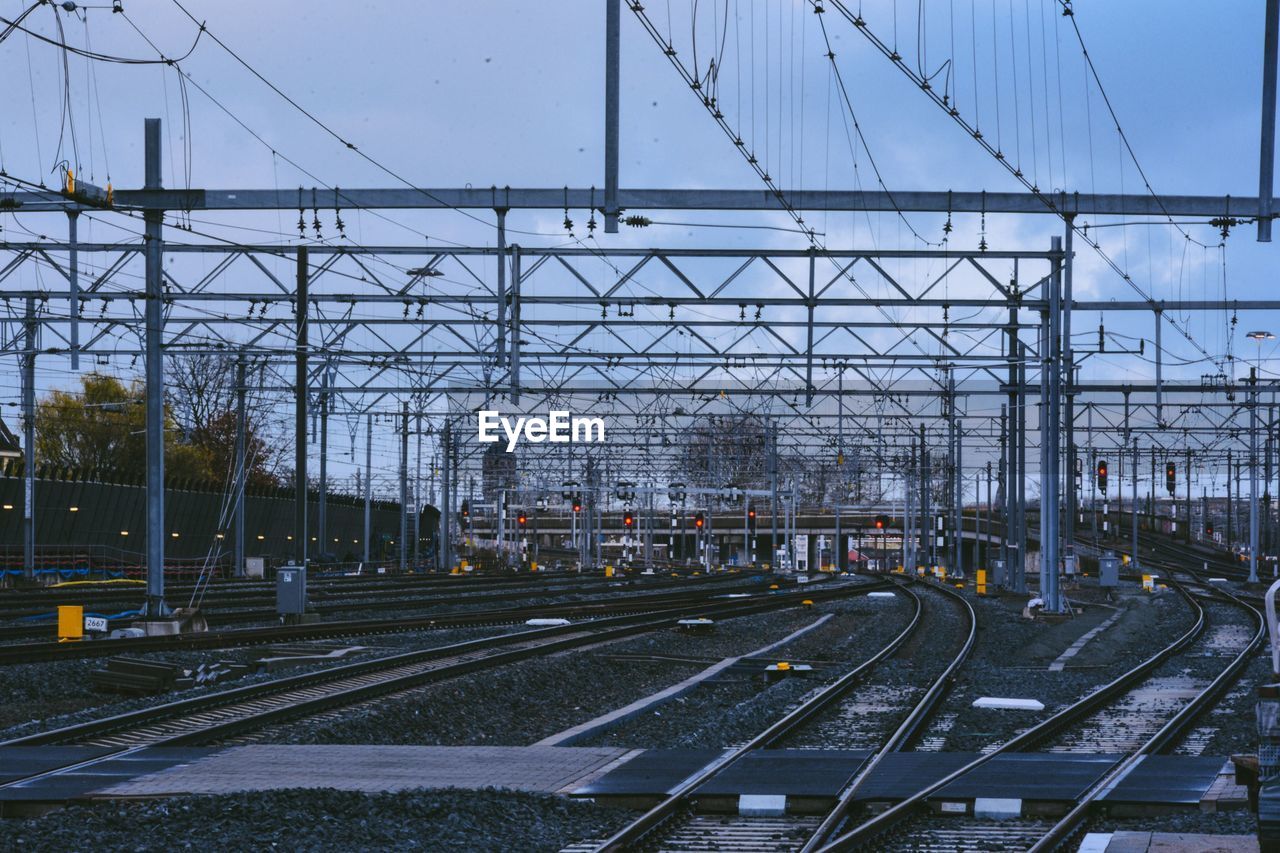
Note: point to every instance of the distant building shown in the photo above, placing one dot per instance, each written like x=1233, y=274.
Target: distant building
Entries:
x=498, y=469
x=9, y=447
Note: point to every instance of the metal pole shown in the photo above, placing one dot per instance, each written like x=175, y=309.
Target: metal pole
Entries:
x=417, y=493
x=322, y=507
x=808, y=367
x=1230, y=526
x=612, y=72
x=1013, y=522
x=300, y=415
x=773, y=498
x=840, y=552
x=927, y=527
x=1187, y=474
x=404, y=486
x=1136, y=561
x=1069, y=416
x=29, y=445
x=1267, y=153
x=1002, y=578
x=155, y=607
x=446, y=501
x=986, y=543
x=368, y=487
x=240, y=472
x=1053, y=444
x=1021, y=579
x=1093, y=501
x=958, y=477
x=1159, y=354
x=73, y=278
x=1253, y=480
x=502, y=288
x=515, y=324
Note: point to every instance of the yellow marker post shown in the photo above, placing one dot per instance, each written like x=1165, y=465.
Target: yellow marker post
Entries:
x=533, y=567
x=608, y=571
x=70, y=622
x=942, y=573
x=982, y=581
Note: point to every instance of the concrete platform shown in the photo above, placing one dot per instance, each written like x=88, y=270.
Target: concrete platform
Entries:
x=1166, y=842
x=804, y=779
x=376, y=768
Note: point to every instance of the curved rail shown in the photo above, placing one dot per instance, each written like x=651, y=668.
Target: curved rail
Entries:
x=905, y=733
x=862, y=834
x=651, y=821
x=1162, y=740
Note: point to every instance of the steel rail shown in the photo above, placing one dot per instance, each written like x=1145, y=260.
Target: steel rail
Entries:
x=653, y=820
x=396, y=600
x=862, y=834
x=1162, y=740
x=904, y=735
x=313, y=692
x=19, y=653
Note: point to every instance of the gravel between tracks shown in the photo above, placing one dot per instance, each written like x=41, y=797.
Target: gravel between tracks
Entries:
x=527, y=701
x=1012, y=657
x=47, y=695
x=732, y=709
x=315, y=820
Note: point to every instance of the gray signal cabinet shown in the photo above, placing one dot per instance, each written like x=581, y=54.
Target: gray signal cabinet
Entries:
x=291, y=590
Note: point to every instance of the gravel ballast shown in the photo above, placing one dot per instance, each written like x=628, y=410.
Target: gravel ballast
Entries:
x=1012, y=656
x=48, y=695
x=445, y=820
x=524, y=702
x=733, y=708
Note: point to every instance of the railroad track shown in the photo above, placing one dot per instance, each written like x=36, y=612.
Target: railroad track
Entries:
x=903, y=827
x=15, y=603
x=20, y=653
x=672, y=825
x=400, y=600
x=217, y=716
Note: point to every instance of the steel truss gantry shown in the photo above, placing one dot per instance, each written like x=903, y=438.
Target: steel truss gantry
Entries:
x=868, y=343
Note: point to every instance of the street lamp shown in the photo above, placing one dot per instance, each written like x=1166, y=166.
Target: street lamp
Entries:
x=1258, y=338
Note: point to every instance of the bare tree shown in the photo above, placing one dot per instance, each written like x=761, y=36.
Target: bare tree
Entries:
x=200, y=389
x=201, y=393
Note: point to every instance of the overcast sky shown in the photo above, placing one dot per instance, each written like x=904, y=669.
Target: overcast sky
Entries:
x=511, y=93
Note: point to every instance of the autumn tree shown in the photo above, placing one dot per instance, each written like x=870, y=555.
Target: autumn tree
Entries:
x=103, y=428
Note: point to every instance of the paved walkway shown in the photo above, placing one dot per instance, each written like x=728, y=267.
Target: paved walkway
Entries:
x=1166, y=842
x=378, y=768
x=590, y=727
